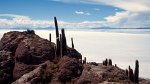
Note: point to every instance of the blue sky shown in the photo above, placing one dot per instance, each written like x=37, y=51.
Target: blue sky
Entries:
x=74, y=13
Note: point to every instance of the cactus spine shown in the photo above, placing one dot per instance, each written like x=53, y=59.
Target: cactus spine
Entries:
x=136, y=72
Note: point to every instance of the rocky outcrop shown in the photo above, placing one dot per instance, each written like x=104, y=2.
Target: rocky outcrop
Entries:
x=22, y=52
x=69, y=68
x=66, y=70
x=101, y=74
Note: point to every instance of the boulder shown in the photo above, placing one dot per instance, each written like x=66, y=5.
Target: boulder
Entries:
x=34, y=50
x=33, y=77
x=20, y=69
x=27, y=47
x=69, y=68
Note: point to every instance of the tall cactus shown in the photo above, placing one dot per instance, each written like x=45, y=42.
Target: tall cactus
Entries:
x=131, y=77
x=106, y=62
x=57, y=37
x=61, y=45
x=50, y=37
x=84, y=60
x=110, y=62
x=72, y=43
x=136, y=72
x=127, y=72
x=64, y=43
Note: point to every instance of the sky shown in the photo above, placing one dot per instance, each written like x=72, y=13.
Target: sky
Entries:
x=75, y=13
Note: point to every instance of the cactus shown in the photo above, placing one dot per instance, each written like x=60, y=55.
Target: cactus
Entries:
x=72, y=43
x=136, y=72
x=84, y=61
x=131, y=76
x=106, y=62
x=110, y=62
x=103, y=62
x=50, y=37
x=57, y=37
x=55, y=52
x=63, y=43
x=127, y=72
x=115, y=65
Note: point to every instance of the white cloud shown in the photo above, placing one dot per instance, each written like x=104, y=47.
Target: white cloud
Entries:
x=21, y=21
x=79, y=12
x=82, y=13
x=129, y=5
x=96, y=9
x=18, y=21
x=136, y=12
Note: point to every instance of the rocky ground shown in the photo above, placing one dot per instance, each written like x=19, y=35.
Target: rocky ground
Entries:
x=26, y=58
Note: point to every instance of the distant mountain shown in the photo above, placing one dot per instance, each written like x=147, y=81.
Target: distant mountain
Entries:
x=119, y=28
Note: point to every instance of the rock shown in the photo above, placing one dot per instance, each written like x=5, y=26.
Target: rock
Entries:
x=98, y=74
x=21, y=69
x=73, y=53
x=69, y=68
x=27, y=47
x=6, y=67
x=32, y=77
x=34, y=50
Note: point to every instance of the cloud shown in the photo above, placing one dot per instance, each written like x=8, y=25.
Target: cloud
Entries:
x=18, y=21
x=129, y=5
x=79, y=12
x=82, y=13
x=136, y=12
x=96, y=9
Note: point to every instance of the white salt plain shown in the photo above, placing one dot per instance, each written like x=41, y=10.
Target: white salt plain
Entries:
x=122, y=48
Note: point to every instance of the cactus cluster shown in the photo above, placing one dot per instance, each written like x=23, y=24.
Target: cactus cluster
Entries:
x=61, y=43
x=134, y=77
x=107, y=62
